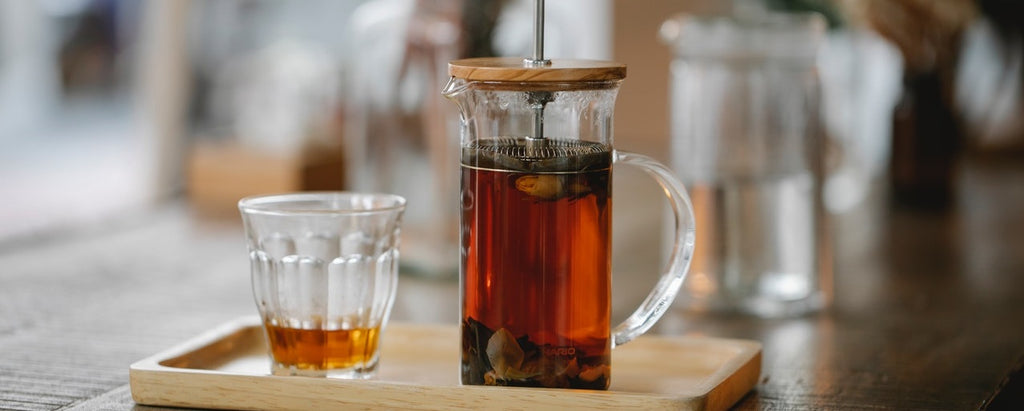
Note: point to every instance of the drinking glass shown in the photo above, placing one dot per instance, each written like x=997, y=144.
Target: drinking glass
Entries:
x=324, y=269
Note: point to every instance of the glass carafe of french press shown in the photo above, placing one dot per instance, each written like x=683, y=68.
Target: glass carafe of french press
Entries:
x=536, y=162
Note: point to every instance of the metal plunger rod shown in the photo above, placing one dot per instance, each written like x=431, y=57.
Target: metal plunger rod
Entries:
x=538, y=98
x=538, y=37
x=538, y=123
x=538, y=32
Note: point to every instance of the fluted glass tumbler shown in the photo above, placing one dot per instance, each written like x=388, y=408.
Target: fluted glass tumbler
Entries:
x=324, y=269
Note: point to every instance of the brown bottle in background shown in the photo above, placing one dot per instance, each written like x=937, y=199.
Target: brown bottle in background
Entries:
x=926, y=142
x=926, y=133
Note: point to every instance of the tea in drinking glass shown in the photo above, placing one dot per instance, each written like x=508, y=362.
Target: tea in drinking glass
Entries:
x=324, y=269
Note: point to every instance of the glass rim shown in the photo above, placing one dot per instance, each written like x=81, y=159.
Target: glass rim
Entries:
x=320, y=203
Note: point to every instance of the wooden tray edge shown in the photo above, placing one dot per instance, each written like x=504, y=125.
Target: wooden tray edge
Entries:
x=155, y=384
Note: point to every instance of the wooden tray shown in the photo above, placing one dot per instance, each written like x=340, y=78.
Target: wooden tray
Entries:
x=228, y=367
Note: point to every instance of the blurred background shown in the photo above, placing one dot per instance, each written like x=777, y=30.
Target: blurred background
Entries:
x=110, y=107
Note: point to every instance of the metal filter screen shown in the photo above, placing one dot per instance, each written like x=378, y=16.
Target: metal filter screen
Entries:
x=536, y=155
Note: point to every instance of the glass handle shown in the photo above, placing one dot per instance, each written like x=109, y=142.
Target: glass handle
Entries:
x=660, y=298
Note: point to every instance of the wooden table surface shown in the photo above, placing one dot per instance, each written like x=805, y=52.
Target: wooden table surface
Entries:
x=928, y=310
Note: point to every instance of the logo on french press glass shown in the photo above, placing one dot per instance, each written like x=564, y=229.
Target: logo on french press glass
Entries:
x=560, y=351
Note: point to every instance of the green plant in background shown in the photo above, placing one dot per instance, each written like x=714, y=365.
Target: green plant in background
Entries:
x=827, y=8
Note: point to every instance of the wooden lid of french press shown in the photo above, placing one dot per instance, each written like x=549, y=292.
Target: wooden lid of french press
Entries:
x=518, y=69
x=541, y=72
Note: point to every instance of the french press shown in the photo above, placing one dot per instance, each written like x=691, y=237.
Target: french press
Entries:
x=536, y=199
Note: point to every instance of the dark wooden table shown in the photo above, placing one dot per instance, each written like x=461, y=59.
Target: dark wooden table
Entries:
x=928, y=310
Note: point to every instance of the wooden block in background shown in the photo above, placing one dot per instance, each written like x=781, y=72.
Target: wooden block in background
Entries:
x=219, y=174
x=642, y=107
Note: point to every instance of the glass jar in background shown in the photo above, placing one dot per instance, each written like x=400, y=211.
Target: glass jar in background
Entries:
x=397, y=131
x=746, y=141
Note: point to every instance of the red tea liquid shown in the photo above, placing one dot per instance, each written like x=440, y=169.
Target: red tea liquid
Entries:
x=318, y=349
x=536, y=268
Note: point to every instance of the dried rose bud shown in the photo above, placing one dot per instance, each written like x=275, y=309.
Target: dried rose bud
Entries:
x=591, y=374
x=578, y=189
x=573, y=369
x=504, y=353
x=490, y=378
x=545, y=186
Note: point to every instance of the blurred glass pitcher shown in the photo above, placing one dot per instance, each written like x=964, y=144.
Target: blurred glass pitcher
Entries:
x=745, y=139
x=397, y=126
